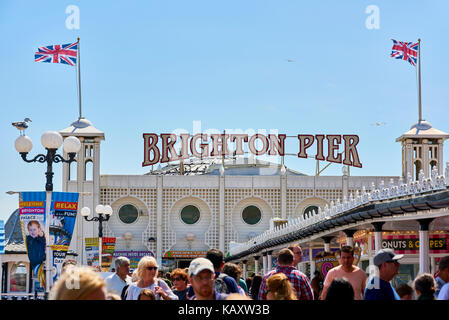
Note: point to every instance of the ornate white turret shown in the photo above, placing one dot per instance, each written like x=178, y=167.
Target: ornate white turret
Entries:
x=422, y=148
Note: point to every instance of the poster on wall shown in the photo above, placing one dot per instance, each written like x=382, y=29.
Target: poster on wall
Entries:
x=33, y=222
x=92, y=252
x=107, y=252
x=324, y=261
x=64, y=206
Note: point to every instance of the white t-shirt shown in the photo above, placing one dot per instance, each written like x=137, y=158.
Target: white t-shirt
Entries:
x=114, y=284
x=134, y=290
x=444, y=292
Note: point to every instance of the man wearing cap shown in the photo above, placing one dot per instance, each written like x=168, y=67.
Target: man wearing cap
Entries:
x=202, y=275
x=379, y=287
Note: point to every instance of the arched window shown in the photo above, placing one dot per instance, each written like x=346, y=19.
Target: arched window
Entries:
x=417, y=169
x=190, y=214
x=251, y=215
x=128, y=214
x=18, y=277
x=308, y=211
x=88, y=171
x=73, y=171
x=432, y=164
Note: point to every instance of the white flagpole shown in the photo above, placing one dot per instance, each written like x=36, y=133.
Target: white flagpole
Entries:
x=419, y=80
x=79, y=80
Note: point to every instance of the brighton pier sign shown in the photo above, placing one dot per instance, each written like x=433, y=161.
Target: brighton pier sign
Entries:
x=203, y=145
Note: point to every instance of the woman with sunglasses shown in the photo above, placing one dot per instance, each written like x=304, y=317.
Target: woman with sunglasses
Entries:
x=147, y=273
x=180, y=280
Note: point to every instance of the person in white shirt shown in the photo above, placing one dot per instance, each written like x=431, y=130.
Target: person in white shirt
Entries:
x=147, y=271
x=117, y=281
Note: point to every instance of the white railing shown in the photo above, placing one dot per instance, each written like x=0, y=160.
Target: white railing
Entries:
x=21, y=296
x=433, y=183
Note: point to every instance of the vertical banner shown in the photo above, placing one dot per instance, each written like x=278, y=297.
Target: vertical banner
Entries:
x=91, y=249
x=2, y=237
x=107, y=252
x=33, y=221
x=64, y=206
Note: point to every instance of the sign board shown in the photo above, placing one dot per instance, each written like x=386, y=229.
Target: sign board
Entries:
x=133, y=256
x=107, y=252
x=185, y=254
x=33, y=222
x=63, y=210
x=305, y=253
x=92, y=251
x=215, y=145
x=324, y=261
x=409, y=243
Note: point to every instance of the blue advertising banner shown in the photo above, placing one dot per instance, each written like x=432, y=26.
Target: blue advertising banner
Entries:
x=33, y=221
x=64, y=206
x=2, y=237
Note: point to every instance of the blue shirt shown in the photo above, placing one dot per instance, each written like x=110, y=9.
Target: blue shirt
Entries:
x=440, y=283
x=444, y=292
x=230, y=283
x=378, y=289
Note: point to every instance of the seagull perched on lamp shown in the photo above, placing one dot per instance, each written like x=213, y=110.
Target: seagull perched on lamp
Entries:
x=22, y=125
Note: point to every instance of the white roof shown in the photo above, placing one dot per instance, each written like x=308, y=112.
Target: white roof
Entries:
x=423, y=129
x=82, y=128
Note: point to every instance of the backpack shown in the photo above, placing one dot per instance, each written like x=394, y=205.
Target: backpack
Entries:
x=220, y=285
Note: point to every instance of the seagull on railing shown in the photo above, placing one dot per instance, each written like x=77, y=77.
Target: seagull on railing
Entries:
x=22, y=125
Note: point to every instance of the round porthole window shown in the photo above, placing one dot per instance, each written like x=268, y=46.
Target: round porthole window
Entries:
x=190, y=214
x=128, y=214
x=308, y=212
x=251, y=215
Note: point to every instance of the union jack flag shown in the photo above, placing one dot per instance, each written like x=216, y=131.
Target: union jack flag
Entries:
x=58, y=53
x=405, y=51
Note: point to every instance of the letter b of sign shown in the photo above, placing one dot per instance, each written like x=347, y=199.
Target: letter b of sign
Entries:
x=73, y=20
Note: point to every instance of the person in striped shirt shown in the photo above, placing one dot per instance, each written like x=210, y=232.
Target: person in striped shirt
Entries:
x=299, y=280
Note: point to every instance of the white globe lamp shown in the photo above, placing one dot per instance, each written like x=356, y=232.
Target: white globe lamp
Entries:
x=51, y=140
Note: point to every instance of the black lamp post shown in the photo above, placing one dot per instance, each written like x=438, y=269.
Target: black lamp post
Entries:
x=104, y=213
x=51, y=140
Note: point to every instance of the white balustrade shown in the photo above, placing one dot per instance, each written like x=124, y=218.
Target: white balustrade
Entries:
x=401, y=189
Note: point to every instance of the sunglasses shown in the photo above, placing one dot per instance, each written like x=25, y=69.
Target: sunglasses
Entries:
x=178, y=279
x=151, y=268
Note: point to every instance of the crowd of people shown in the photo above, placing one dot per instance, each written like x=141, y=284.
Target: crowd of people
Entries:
x=210, y=278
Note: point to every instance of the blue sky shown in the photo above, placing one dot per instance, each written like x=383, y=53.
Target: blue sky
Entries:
x=156, y=66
